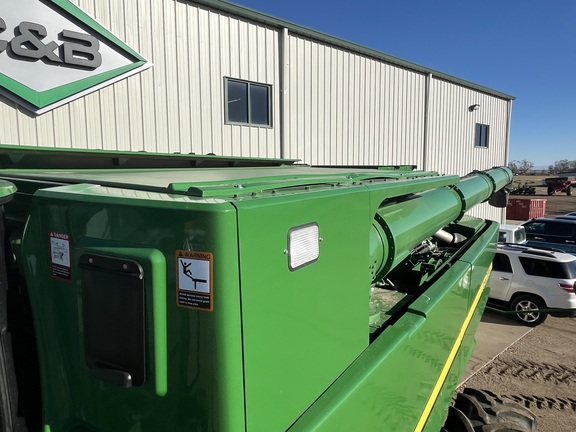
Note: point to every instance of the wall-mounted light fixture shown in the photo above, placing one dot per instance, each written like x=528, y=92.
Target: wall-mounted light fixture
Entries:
x=473, y=107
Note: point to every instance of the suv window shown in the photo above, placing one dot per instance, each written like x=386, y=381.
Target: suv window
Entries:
x=501, y=263
x=554, y=231
x=559, y=229
x=551, y=269
x=534, y=227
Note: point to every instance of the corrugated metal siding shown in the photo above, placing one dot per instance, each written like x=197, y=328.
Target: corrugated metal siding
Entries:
x=340, y=107
x=345, y=108
x=177, y=105
x=452, y=130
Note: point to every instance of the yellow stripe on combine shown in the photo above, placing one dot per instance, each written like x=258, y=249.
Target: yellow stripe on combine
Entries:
x=451, y=357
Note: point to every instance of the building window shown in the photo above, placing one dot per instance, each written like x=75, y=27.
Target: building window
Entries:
x=248, y=103
x=482, y=135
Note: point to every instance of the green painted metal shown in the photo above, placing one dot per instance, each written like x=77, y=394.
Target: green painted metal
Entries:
x=7, y=190
x=203, y=350
x=402, y=222
x=479, y=255
x=278, y=348
x=302, y=328
x=387, y=387
x=45, y=158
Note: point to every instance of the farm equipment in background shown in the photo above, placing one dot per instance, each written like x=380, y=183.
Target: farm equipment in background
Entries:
x=523, y=188
x=171, y=292
x=560, y=184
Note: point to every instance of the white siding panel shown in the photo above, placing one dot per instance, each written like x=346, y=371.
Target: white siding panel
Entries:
x=346, y=109
x=178, y=104
x=172, y=134
x=147, y=78
x=452, y=130
x=78, y=129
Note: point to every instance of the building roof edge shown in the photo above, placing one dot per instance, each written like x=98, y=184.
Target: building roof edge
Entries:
x=298, y=29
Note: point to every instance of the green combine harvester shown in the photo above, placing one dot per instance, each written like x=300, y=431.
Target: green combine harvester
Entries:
x=148, y=292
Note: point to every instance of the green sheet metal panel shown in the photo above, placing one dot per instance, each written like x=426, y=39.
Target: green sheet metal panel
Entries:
x=273, y=338
x=193, y=358
x=479, y=255
x=414, y=363
x=301, y=327
x=7, y=189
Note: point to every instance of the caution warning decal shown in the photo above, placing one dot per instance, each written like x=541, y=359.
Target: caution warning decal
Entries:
x=194, y=272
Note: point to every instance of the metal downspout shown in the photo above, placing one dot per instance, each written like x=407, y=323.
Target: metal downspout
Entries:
x=507, y=150
x=283, y=56
x=508, y=121
x=426, y=122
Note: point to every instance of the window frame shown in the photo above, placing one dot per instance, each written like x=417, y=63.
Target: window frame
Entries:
x=482, y=136
x=249, y=121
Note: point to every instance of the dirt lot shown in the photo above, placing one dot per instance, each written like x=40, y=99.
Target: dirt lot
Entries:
x=539, y=371
x=555, y=205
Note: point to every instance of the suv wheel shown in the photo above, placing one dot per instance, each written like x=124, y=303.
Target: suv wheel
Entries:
x=525, y=306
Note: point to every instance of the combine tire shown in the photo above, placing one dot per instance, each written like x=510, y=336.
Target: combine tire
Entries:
x=483, y=411
x=569, y=191
x=551, y=191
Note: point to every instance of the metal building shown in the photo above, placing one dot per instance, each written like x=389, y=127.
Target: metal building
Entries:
x=209, y=76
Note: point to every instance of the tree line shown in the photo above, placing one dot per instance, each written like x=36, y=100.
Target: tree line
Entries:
x=524, y=166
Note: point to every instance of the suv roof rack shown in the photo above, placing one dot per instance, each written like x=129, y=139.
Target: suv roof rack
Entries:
x=544, y=253
x=541, y=251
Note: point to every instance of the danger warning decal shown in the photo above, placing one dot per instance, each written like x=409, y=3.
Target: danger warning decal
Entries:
x=60, y=255
x=194, y=270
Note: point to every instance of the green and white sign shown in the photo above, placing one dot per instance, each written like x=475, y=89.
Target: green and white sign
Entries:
x=52, y=52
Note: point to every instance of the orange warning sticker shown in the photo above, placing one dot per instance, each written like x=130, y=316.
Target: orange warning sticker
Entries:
x=194, y=280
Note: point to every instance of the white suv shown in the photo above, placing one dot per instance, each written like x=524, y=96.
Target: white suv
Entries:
x=526, y=279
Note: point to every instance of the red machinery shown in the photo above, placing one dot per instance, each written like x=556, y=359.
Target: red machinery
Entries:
x=562, y=183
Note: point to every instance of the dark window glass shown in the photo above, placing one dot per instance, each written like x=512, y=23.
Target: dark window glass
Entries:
x=482, y=133
x=551, y=269
x=534, y=227
x=558, y=229
x=501, y=263
x=248, y=103
x=237, y=102
x=259, y=104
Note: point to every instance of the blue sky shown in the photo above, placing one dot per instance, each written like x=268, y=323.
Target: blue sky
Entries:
x=525, y=48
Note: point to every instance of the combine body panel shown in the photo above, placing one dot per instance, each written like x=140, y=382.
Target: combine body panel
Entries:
x=244, y=297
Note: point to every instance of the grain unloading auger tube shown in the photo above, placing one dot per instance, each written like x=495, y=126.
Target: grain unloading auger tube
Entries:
x=403, y=222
